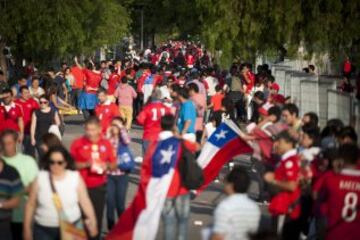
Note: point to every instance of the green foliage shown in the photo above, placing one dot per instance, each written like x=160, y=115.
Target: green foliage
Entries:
x=46, y=29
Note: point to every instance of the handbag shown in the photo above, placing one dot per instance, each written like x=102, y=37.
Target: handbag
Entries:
x=68, y=230
x=125, y=158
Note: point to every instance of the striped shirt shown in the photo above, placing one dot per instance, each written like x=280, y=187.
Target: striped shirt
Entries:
x=236, y=216
x=10, y=186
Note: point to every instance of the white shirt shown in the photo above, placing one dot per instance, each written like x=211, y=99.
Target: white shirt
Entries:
x=236, y=216
x=67, y=189
x=212, y=82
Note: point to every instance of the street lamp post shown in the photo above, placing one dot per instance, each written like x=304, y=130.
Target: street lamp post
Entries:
x=142, y=29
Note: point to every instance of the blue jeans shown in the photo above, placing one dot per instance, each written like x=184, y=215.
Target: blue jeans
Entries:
x=115, y=198
x=46, y=233
x=145, y=145
x=175, y=216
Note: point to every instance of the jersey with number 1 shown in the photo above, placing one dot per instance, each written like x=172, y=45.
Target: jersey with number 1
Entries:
x=342, y=195
x=150, y=118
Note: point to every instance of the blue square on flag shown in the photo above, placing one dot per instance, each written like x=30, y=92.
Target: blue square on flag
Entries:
x=222, y=135
x=165, y=156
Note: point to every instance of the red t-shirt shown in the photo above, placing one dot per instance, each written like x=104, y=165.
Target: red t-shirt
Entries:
x=141, y=80
x=113, y=82
x=78, y=77
x=28, y=107
x=101, y=152
x=106, y=112
x=9, y=119
x=347, y=66
x=284, y=202
x=216, y=100
x=92, y=80
x=150, y=118
x=190, y=60
x=341, y=193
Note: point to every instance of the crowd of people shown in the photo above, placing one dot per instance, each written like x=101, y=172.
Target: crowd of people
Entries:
x=308, y=176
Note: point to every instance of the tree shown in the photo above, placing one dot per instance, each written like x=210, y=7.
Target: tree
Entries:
x=48, y=29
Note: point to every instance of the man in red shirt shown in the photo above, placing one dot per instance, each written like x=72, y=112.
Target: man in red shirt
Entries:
x=285, y=204
x=150, y=118
x=341, y=192
x=11, y=115
x=28, y=106
x=77, y=85
x=113, y=82
x=105, y=110
x=93, y=156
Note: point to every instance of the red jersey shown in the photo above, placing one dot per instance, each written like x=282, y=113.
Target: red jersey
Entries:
x=99, y=153
x=113, y=82
x=9, y=116
x=287, y=202
x=106, y=112
x=341, y=193
x=28, y=107
x=78, y=77
x=150, y=118
x=347, y=66
x=190, y=60
x=92, y=80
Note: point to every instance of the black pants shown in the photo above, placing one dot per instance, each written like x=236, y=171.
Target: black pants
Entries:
x=17, y=231
x=5, y=230
x=75, y=94
x=97, y=196
x=88, y=113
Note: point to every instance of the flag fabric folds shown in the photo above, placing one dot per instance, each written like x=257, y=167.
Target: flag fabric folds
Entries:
x=224, y=144
x=140, y=220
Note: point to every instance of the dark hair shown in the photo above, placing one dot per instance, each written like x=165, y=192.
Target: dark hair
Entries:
x=314, y=119
x=349, y=132
x=275, y=111
x=21, y=89
x=102, y=90
x=44, y=96
x=194, y=87
x=313, y=132
x=167, y=122
x=311, y=67
x=9, y=132
x=239, y=178
x=122, y=120
x=229, y=106
x=92, y=120
x=285, y=135
x=8, y=90
x=183, y=92
x=260, y=95
x=264, y=235
x=45, y=161
x=35, y=78
x=50, y=140
x=218, y=88
x=349, y=153
x=217, y=117
x=124, y=80
x=292, y=109
x=333, y=128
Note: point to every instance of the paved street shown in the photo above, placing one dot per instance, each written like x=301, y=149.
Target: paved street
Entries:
x=201, y=208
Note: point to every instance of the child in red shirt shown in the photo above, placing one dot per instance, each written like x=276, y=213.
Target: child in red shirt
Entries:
x=215, y=102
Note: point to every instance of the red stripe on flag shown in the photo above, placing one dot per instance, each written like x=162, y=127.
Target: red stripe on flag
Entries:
x=235, y=147
x=123, y=230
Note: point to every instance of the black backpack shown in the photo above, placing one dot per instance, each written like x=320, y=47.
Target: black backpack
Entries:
x=190, y=172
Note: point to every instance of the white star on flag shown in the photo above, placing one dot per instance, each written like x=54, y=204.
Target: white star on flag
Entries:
x=220, y=135
x=167, y=154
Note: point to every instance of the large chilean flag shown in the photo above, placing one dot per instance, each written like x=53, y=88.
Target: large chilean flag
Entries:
x=140, y=220
x=224, y=144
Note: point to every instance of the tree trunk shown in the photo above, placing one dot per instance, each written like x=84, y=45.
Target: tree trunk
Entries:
x=3, y=61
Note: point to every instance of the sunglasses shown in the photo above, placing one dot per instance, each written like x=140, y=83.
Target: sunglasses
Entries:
x=60, y=163
x=44, y=102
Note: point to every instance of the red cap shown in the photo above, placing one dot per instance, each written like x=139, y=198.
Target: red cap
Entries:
x=275, y=86
x=278, y=98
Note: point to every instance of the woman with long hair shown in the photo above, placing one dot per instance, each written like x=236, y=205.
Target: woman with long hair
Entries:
x=58, y=175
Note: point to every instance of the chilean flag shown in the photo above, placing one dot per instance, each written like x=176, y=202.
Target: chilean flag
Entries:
x=140, y=220
x=224, y=144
